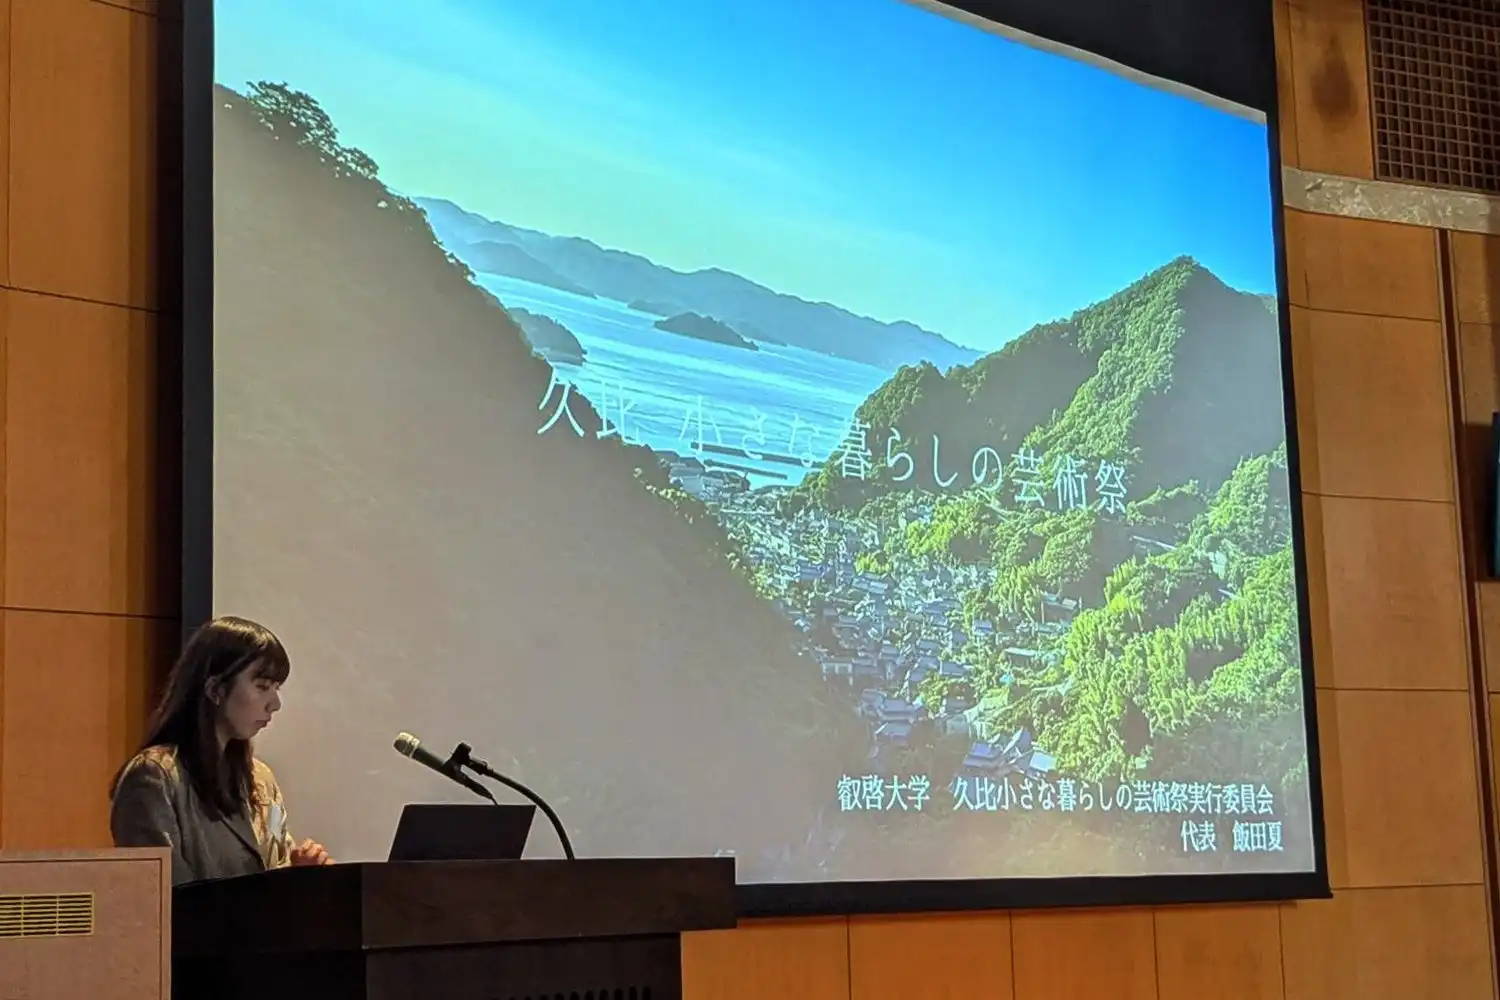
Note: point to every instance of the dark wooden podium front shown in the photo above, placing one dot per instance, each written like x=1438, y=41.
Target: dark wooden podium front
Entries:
x=448, y=930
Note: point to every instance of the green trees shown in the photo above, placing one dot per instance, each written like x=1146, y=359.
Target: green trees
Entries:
x=1186, y=632
x=297, y=116
x=1196, y=639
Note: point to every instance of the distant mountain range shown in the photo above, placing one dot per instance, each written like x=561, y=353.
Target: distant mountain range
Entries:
x=580, y=266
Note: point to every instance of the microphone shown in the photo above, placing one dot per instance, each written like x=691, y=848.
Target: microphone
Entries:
x=409, y=746
x=464, y=757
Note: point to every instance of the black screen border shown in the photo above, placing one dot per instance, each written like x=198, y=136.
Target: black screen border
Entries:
x=1225, y=50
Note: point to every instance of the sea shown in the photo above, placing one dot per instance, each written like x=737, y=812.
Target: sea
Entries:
x=771, y=414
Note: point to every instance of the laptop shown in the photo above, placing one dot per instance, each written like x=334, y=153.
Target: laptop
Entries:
x=453, y=832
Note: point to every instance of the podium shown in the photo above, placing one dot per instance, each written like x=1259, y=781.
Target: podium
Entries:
x=605, y=929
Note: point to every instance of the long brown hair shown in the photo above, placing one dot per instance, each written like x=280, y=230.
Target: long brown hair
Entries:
x=186, y=718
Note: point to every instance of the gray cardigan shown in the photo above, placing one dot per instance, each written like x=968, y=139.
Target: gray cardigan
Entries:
x=154, y=805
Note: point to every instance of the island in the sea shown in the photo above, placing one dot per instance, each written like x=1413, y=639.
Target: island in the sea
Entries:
x=551, y=340
x=704, y=328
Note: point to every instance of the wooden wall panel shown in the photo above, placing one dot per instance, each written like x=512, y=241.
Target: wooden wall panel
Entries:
x=806, y=959
x=1391, y=621
x=83, y=151
x=4, y=142
x=1389, y=944
x=1223, y=952
x=1489, y=617
x=1369, y=387
x=87, y=537
x=1476, y=303
x=87, y=459
x=1285, y=85
x=1480, y=374
x=1330, y=88
x=1494, y=750
x=1339, y=264
x=1476, y=277
x=76, y=696
x=1479, y=399
x=1394, y=818
x=909, y=958
x=86, y=525
x=1476, y=280
x=1400, y=557
x=1097, y=953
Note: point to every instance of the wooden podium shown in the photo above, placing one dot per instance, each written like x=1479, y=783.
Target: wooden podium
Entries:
x=448, y=930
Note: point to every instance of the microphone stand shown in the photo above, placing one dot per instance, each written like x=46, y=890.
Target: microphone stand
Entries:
x=463, y=757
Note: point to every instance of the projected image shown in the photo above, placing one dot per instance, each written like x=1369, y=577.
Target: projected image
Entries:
x=836, y=434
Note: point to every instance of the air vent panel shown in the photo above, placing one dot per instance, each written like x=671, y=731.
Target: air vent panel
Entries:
x=1435, y=91
x=41, y=916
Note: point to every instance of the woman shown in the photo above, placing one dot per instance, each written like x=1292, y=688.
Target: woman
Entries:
x=196, y=786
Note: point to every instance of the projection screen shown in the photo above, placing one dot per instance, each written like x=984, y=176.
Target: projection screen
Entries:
x=846, y=435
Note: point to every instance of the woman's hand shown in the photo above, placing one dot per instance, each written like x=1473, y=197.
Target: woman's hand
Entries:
x=310, y=853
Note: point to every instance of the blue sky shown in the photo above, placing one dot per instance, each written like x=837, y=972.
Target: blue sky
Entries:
x=863, y=152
